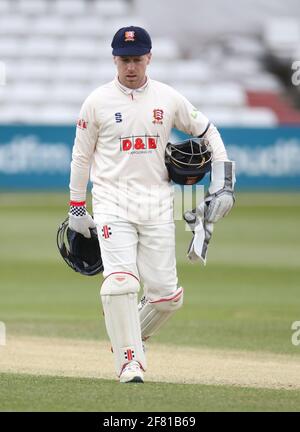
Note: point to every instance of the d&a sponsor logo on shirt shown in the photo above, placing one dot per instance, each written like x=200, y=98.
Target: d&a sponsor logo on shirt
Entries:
x=139, y=144
x=158, y=115
x=82, y=124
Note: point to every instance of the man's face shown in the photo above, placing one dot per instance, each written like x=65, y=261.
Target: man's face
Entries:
x=132, y=70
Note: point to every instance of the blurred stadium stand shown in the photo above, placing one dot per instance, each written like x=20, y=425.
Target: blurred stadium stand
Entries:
x=57, y=51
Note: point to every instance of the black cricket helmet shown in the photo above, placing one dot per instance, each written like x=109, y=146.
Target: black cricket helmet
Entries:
x=188, y=161
x=80, y=253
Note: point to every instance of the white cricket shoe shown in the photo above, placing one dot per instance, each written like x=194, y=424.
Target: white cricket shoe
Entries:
x=132, y=372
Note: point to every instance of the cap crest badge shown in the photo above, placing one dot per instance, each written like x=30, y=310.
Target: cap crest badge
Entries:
x=129, y=36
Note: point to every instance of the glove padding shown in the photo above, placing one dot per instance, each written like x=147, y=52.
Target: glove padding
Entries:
x=202, y=231
x=217, y=205
x=82, y=224
x=220, y=198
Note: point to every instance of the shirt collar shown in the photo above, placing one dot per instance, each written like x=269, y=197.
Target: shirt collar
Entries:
x=130, y=91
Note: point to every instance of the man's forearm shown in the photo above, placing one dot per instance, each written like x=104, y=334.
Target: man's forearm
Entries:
x=78, y=181
x=216, y=143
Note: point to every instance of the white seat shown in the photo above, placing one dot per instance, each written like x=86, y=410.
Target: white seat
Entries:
x=256, y=117
x=223, y=94
x=79, y=48
x=28, y=69
x=245, y=46
x=105, y=51
x=4, y=95
x=15, y=25
x=84, y=25
x=39, y=115
x=164, y=48
x=3, y=73
x=67, y=7
x=73, y=71
x=190, y=91
x=99, y=81
x=188, y=70
x=10, y=47
x=10, y=67
x=8, y=114
x=37, y=70
x=105, y=70
x=111, y=8
x=221, y=116
x=159, y=71
x=4, y=6
x=58, y=114
x=68, y=94
x=18, y=113
x=32, y=7
x=282, y=31
x=24, y=92
x=282, y=36
x=51, y=25
x=263, y=81
x=246, y=116
x=235, y=67
x=94, y=72
x=41, y=47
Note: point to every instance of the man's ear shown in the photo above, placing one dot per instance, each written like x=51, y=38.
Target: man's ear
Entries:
x=115, y=59
x=149, y=55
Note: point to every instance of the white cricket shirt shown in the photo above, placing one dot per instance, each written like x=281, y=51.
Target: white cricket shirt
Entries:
x=120, y=142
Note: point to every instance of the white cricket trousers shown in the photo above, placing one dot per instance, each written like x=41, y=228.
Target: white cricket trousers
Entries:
x=146, y=251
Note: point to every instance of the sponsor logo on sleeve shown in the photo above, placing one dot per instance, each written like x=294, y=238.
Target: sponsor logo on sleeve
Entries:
x=194, y=113
x=82, y=124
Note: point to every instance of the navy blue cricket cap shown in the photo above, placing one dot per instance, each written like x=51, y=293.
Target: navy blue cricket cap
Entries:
x=131, y=41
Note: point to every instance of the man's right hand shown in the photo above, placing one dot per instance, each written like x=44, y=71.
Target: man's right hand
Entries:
x=80, y=220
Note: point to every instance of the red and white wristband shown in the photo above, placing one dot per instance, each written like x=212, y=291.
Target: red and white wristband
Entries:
x=77, y=208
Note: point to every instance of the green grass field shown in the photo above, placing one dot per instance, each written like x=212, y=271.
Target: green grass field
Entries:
x=245, y=299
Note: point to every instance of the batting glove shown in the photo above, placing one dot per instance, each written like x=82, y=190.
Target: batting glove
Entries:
x=220, y=197
x=79, y=219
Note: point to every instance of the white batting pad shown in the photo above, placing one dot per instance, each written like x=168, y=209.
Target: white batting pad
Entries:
x=119, y=299
x=153, y=314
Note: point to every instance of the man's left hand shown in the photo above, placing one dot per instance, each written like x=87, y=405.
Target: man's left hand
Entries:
x=217, y=205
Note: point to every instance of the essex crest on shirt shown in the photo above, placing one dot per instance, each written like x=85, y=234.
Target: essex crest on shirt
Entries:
x=158, y=115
